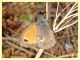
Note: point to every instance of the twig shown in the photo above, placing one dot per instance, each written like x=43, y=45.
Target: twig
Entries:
x=39, y=53
x=12, y=31
x=20, y=48
x=36, y=49
x=68, y=55
x=71, y=30
x=18, y=41
x=47, y=11
x=67, y=32
x=10, y=38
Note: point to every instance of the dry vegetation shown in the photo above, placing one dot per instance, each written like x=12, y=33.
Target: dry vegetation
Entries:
x=17, y=16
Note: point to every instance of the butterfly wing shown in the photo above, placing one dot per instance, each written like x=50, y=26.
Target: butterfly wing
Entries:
x=29, y=35
x=45, y=35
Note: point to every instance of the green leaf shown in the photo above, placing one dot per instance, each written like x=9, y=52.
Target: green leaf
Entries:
x=26, y=18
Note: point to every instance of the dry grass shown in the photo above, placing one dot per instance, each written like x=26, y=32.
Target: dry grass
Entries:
x=13, y=23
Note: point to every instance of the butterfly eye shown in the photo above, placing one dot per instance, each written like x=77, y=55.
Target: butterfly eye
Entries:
x=25, y=40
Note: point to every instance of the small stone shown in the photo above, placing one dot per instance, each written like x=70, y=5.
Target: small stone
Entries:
x=67, y=46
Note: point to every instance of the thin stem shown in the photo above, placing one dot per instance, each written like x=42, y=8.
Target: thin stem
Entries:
x=20, y=48
x=10, y=38
x=47, y=11
x=68, y=55
x=17, y=40
x=73, y=11
x=57, y=9
x=68, y=20
x=56, y=15
x=73, y=15
x=65, y=27
x=65, y=17
x=39, y=53
x=60, y=14
x=75, y=7
x=70, y=10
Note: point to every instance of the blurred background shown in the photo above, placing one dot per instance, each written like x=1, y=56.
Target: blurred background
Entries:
x=16, y=16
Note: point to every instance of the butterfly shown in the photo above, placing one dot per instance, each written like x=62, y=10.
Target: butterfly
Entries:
x=39, y=33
